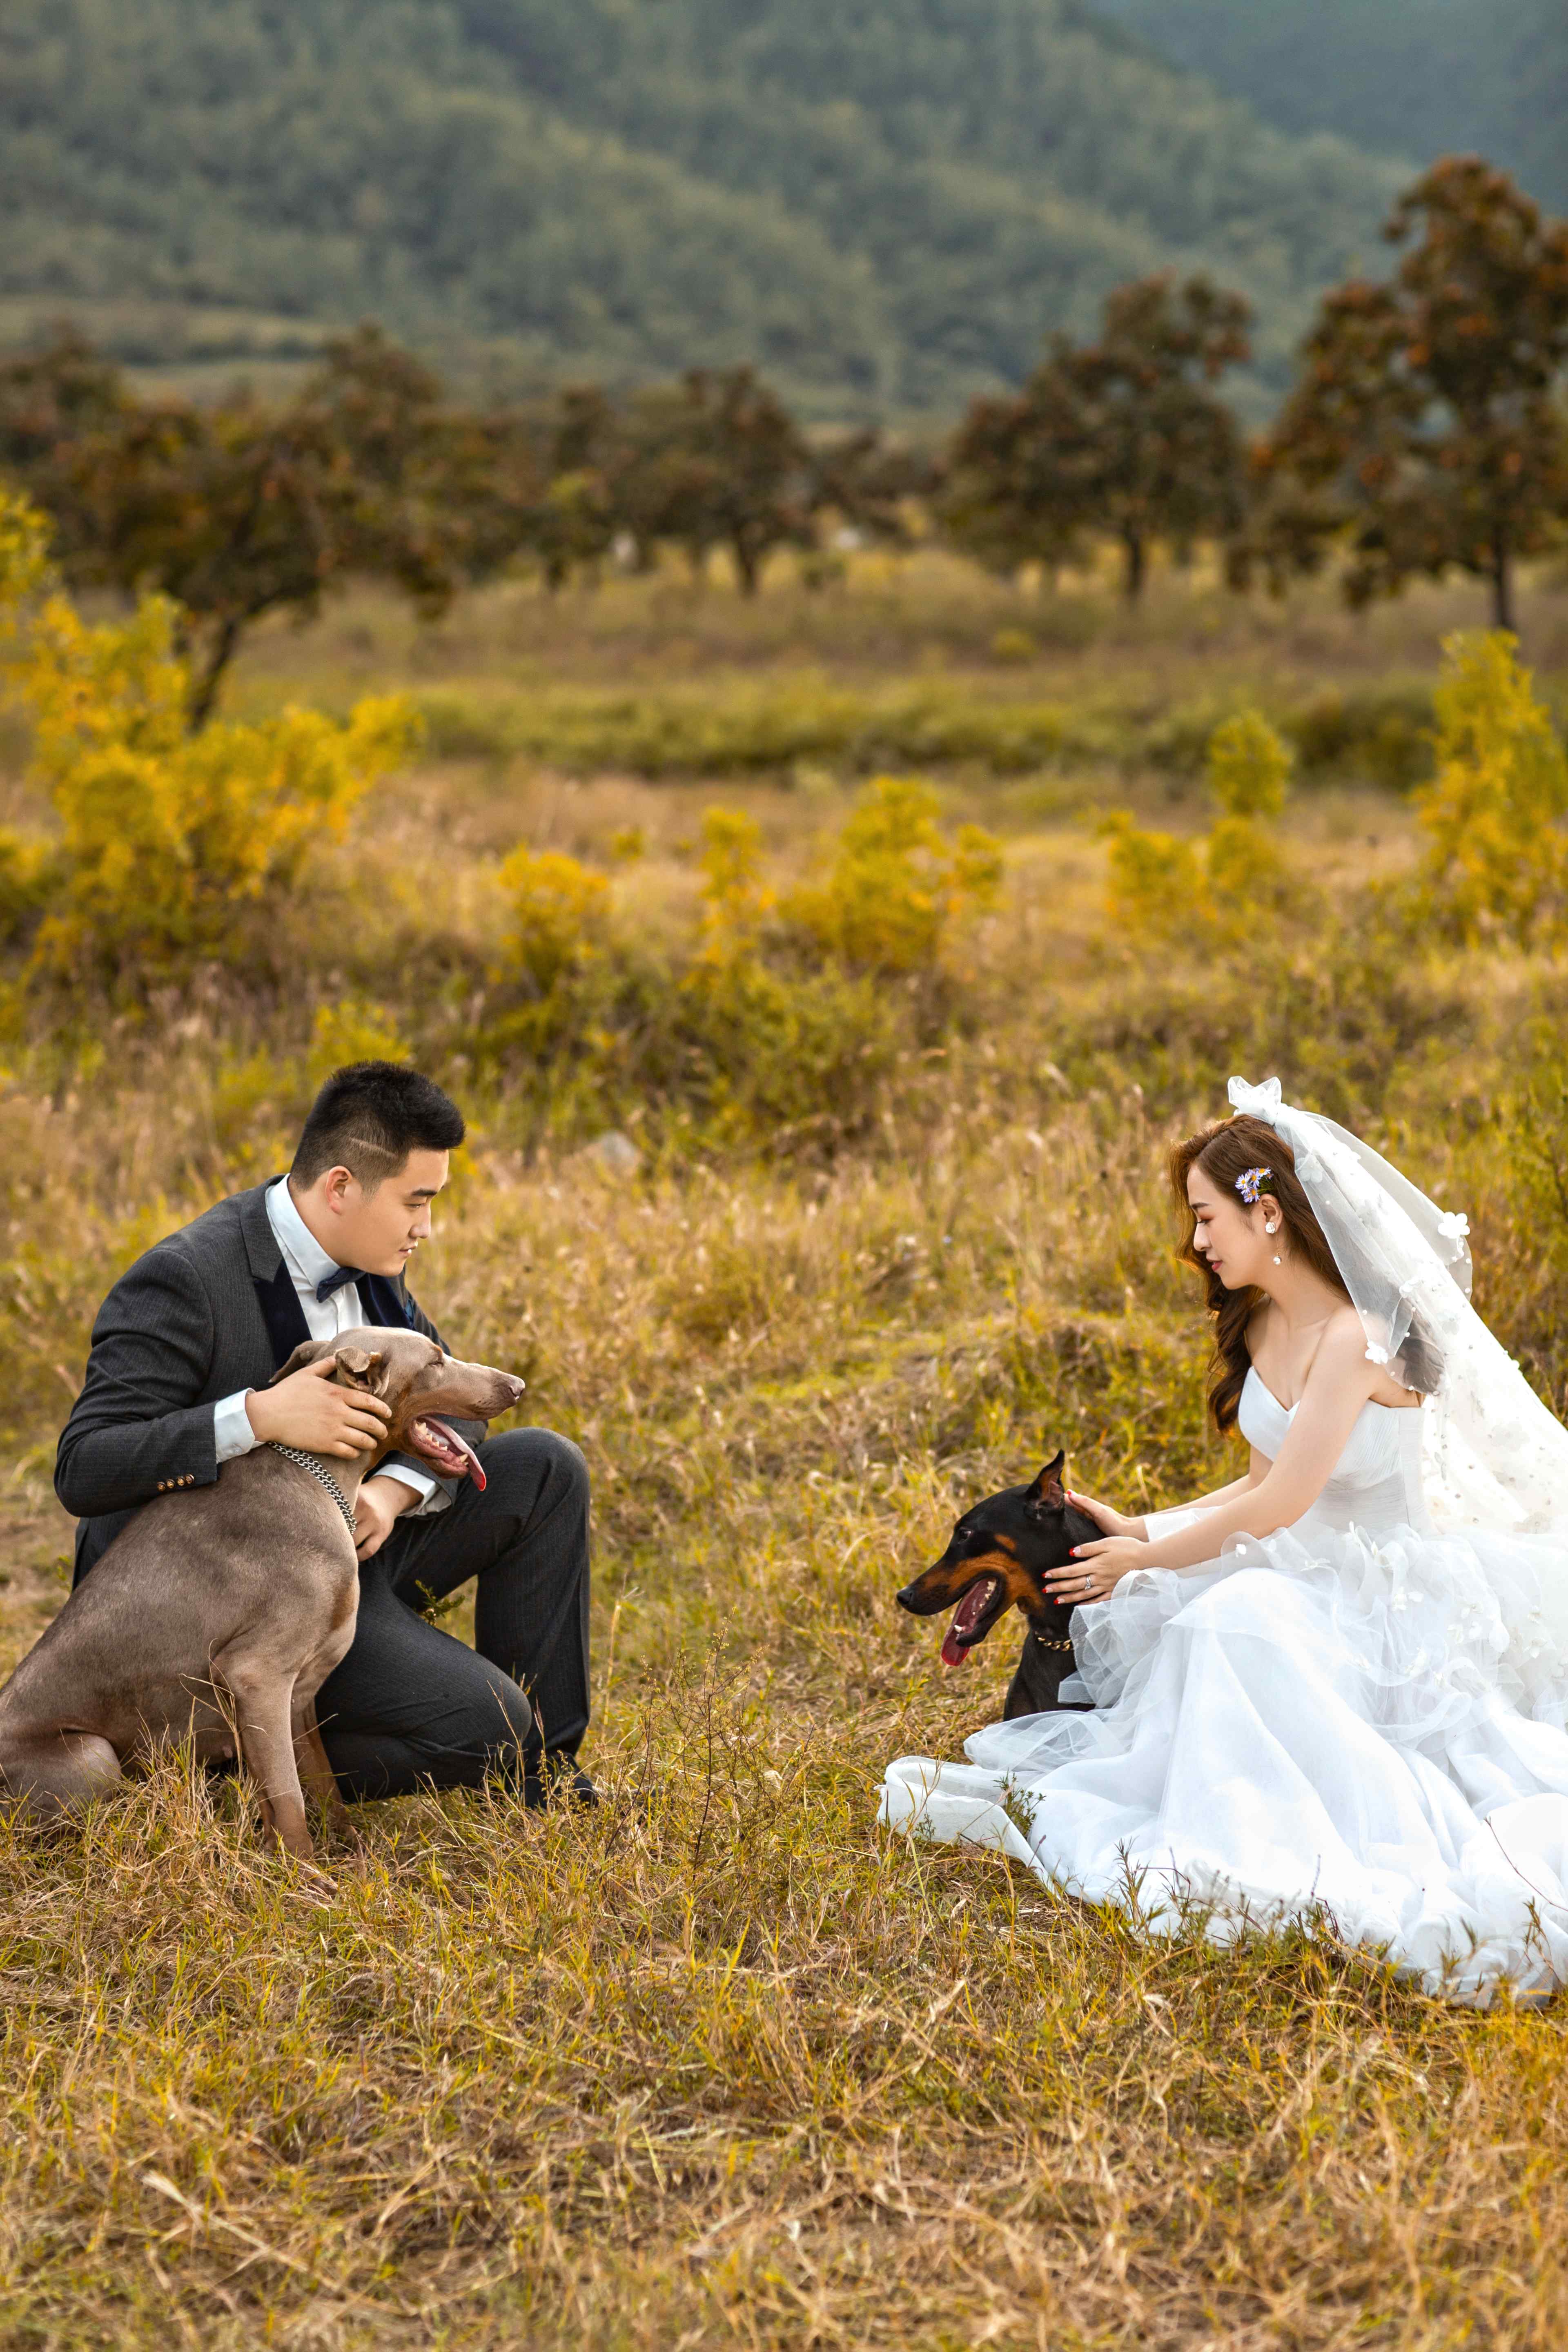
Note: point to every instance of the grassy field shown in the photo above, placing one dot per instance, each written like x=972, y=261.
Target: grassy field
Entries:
x=719, y=2063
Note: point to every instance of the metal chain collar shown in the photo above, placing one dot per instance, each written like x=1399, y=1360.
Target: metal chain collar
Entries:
x=324, y=1477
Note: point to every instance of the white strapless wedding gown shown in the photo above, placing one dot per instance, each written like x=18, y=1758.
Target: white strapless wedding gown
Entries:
x=1331, y=1724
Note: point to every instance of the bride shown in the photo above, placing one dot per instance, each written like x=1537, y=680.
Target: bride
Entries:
x=1335, y=1690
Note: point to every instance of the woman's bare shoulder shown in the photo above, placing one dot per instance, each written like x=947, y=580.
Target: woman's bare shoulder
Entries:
x=1344, y=1329
x=1343, y=1355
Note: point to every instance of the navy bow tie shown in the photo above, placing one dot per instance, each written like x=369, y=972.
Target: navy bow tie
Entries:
x=338, y=1275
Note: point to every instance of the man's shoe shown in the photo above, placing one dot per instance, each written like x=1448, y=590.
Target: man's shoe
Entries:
x=559, y=1781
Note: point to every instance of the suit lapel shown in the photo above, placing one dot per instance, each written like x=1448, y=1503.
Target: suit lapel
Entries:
x=282, y=1314
x=275, y=1293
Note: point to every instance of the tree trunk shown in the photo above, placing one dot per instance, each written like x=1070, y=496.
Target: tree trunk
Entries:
x=1502, y=588
x=1132, y=580
x=205, y=687
x=745, y=564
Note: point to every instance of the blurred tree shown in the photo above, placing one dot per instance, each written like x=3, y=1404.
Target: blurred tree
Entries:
x=537, y=485
x=1013, y=489
x=238, y=511
x=717, y=461
x=1427, y=422
x=51, y=401
x=870, y=483
x=1125, y=435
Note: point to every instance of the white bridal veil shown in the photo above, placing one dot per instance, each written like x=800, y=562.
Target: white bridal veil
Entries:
x=1493, y=1455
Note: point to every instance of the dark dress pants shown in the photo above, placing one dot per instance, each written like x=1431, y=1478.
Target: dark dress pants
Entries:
x=411, y=1706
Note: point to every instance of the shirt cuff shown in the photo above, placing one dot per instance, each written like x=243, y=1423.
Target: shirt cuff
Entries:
x=433, y=1499
x=231, y=1433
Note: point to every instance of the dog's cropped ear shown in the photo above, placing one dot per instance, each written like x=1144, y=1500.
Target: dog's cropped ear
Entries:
x=308, y=1351
x=1046, y=1493
x=359, y=1366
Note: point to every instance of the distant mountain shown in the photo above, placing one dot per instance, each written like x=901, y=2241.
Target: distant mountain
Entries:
x=885, y=203
x=1410, y=78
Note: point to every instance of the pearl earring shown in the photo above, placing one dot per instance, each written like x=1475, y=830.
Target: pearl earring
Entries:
x=1274, y=1229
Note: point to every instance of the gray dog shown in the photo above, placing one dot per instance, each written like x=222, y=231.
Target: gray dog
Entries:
x=217, y=1614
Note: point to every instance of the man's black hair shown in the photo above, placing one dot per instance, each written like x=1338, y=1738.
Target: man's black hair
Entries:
x=368, y=1118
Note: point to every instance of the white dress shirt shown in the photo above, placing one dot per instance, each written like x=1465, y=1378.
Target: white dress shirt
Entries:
x=308, y=1264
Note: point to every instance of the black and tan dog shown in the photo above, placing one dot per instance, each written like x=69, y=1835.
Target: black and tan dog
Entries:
x=998, y=1558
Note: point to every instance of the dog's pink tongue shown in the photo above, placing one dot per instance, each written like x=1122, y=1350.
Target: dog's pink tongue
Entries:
x=965, y=1617
x=461, y=1445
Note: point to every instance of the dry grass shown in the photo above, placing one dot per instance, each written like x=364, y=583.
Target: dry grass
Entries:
x=721, y=2064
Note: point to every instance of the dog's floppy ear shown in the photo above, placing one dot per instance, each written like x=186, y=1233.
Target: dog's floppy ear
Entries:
x=308, y=1351
x=359, y=1366
x=1046, y=1493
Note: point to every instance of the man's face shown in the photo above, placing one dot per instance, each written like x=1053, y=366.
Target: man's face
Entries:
x=380, y=1231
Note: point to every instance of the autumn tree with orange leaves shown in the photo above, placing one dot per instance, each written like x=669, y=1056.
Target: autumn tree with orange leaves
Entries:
x=1427, y=426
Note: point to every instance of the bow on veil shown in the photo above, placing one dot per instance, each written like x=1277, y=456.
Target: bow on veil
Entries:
x=1493, y=1455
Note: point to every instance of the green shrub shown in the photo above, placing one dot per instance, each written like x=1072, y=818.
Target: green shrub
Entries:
x=1381, y=735
x=791, y=1058
x=1014, y=647
x=743, y=728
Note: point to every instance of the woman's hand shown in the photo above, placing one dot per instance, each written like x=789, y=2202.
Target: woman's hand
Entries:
x=1095, y=1568
x=1108, y=1522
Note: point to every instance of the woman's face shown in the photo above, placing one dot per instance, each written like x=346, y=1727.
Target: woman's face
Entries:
x=1229, y=1234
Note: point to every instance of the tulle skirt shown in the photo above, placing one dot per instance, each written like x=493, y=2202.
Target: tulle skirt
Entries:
x=1330, y=1727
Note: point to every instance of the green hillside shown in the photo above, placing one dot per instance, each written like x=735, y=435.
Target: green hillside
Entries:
x=1412, y=77
x=886, y=203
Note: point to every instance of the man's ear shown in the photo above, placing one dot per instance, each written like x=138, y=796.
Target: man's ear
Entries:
x=1046, y=1493
x=359, y=1368
x=308, y=1351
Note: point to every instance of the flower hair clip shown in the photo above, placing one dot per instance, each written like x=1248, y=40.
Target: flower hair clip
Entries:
x=1249, y=1184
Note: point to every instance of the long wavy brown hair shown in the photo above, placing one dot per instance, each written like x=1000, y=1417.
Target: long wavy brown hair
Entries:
x=1225, y=1151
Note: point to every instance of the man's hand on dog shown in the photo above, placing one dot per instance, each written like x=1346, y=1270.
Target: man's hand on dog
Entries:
x=378, y=1505
x=310, y=1411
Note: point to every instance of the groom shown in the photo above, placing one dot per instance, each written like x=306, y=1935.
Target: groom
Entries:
x=183, y=1350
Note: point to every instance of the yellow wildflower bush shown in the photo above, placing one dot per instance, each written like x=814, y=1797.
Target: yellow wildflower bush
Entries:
x=735, y=899
x=898, y=887
x=1495, y=813
x=167, y=841
x=561, y=910
x=1164, y=885
x=1248, y=766
x=1155, y=881
x=350, y=1031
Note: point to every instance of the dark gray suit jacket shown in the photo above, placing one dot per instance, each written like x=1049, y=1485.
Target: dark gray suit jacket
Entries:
x=210, y=1310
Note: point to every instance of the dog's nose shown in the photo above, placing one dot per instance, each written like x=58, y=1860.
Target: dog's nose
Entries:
x=516, y=1386
x=906, y=1599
